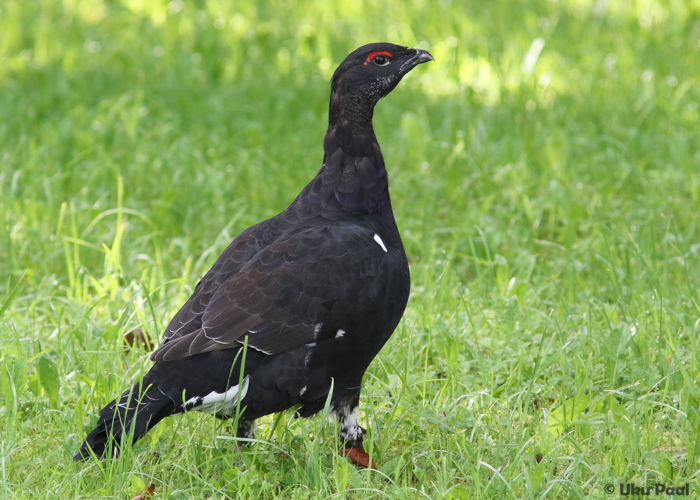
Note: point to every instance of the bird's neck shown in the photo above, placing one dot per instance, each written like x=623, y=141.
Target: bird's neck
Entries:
x=354, y=108
x=353, y=178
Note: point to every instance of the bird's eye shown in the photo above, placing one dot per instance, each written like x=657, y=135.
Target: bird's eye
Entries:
x=381, y=60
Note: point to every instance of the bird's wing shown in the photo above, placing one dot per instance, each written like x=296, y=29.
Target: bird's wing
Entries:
x=241, y=250
x=280, y=297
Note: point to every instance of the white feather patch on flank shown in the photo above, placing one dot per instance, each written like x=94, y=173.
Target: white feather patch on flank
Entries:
x=220, y=403
x=303, y=390
x=317, y=328
x=380, y=242
x=339, y=333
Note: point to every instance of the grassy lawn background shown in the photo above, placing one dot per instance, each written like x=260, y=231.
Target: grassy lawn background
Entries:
x=545, y=175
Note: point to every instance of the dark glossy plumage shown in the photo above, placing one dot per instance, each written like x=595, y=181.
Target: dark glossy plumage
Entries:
x=315, y=291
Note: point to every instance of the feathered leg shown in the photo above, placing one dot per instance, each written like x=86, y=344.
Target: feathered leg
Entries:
x=351, y=434
x=246, y=430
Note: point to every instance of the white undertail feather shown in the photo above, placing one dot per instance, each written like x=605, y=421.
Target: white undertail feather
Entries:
x=223, y=403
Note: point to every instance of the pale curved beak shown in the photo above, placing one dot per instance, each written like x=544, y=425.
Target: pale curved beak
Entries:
x=420, y=57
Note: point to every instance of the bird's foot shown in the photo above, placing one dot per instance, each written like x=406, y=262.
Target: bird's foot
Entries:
x=358, y=457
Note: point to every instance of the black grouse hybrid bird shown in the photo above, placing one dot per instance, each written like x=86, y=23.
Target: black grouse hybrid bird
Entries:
x=314, y=292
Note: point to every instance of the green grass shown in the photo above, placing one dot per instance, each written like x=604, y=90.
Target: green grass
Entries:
x=549, y=207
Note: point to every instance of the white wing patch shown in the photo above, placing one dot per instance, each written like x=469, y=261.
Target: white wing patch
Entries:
x=256, y=348
x=223, y=403
x=339, y=333
x=380, y=242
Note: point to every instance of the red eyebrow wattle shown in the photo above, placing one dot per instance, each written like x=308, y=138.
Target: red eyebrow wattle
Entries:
x=373, y=54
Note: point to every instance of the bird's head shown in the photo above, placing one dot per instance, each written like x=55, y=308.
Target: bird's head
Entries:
x=372, y=71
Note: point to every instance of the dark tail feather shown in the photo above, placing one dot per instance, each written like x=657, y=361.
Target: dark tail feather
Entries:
x=138, y=408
